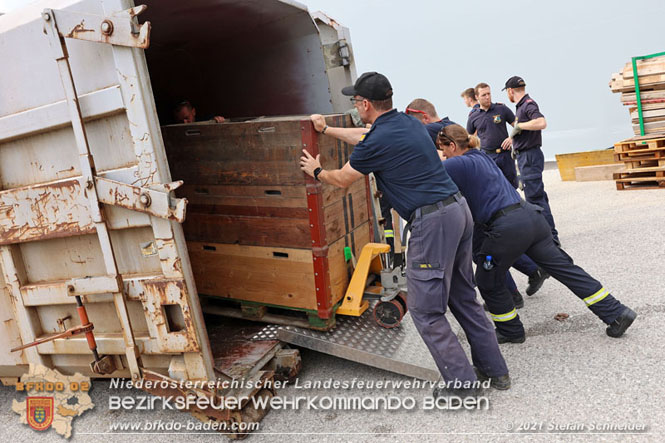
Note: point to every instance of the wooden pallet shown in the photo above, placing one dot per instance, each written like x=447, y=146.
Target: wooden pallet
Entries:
x=641, y=143
x=641, y=178
x=280, y=315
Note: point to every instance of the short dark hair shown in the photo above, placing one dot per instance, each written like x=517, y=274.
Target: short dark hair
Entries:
x=182, y=104
x=469, y=92
x=420, y=104
x=382, y=105
x=480, y=86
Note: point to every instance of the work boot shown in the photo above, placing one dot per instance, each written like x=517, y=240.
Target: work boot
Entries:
x=501, y=382
x=503, y=339
x=536, y=281
x=623, y=322
x=455, y=396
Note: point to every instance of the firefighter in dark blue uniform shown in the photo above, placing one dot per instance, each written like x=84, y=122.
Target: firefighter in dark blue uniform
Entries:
x=400, y=153
x=488, y=121
x=509, y=228
x=526, y=140
x=425, y=111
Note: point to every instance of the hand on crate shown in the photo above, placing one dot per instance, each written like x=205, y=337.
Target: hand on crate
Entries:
x=319, y=122
x=308, y=163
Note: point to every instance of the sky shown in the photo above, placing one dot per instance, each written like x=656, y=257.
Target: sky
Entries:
x=565, y=50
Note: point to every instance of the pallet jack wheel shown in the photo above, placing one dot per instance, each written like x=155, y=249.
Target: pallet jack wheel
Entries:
x=389, y=314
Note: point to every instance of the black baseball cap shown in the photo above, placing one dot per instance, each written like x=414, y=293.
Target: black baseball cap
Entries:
x=372, y=86
x=514, y=82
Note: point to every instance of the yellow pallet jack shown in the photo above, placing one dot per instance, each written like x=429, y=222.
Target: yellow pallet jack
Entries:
x=375, y=278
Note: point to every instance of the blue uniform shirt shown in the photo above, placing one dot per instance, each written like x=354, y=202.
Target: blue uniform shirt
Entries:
x=485, y=188
x=527, y=110
x=491, y=125
x=398, y=150
x=435, y=127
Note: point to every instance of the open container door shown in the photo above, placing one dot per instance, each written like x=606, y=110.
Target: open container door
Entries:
x=86, y=209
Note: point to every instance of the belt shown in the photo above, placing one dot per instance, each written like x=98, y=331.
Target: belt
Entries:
x=494, y=151
x=428, y=209
x=503, y=211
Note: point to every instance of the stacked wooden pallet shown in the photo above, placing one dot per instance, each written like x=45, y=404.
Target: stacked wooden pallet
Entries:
x=262, y=235
x=644, y=158
x=651, y=75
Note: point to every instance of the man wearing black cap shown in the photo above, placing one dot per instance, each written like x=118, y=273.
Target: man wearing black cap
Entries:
x=527, y=139
x=400, y=153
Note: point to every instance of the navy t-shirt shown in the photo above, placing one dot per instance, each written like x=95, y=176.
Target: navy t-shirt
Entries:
x=491, y=125
x=399, y=151
x=482, y=183
x=435, y=127
x=527, y=110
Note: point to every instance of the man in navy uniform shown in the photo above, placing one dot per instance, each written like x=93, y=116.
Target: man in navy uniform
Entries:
x=527, y=140
x=400, y=153
x=489, y=122
x=469, y=97
x=425, y=111
x=509, y=227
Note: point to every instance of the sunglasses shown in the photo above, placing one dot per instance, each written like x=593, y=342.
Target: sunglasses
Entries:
x=444, y=139
x=414, y=111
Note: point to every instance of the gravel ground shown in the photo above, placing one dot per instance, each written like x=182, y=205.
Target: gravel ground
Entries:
x=567, y=375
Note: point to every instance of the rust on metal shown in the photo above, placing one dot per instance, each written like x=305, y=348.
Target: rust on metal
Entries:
x=78, y=29
x=41, y=212
x=155, y=295
x=76, y=330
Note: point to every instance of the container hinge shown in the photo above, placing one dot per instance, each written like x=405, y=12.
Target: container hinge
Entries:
x=337, y=54
x=121, y=29
x=141, y=199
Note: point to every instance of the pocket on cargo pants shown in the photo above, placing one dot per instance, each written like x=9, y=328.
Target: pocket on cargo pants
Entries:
x=426, y=291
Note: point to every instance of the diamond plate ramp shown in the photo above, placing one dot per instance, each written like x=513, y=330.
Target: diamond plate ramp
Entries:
x=360, y=339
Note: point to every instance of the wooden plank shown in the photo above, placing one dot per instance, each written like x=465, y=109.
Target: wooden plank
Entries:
x=346, y=214
x=244, y=196
x=278, y=276
x=568, y=162
x=597, y=172
x=256, y=231
x=245, y=153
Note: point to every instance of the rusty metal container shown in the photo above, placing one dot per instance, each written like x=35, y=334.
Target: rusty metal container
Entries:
x=87, y=204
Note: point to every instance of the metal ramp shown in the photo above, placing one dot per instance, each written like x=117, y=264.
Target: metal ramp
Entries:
x=360, y=339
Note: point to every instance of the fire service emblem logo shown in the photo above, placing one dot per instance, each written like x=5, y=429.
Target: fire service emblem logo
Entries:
x=40, y=412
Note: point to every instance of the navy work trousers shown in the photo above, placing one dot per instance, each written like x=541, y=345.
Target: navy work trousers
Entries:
x=532, y=163
x=505, y=162
x=440, y=276
x=525, y=231
x=523, y=263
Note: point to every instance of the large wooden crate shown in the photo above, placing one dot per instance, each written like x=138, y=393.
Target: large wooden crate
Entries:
x=259, y=230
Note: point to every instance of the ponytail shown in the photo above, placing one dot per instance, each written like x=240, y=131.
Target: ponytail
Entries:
x=474, y=142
